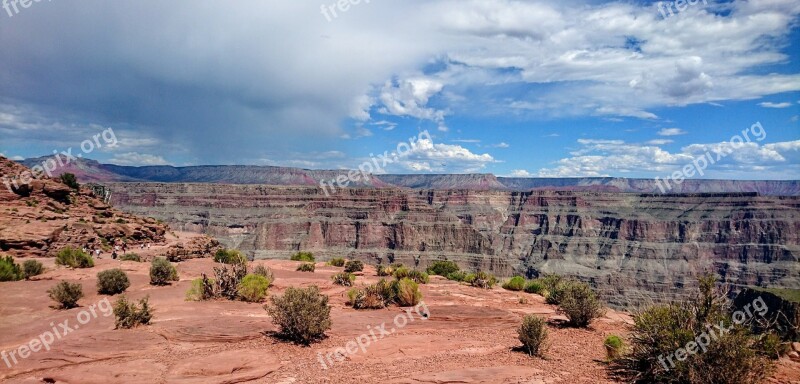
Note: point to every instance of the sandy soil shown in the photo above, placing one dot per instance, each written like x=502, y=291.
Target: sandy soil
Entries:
x=470, y=336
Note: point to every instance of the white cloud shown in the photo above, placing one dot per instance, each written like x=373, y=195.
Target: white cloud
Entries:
x=768, y=104
x=520, y=173
x=501, y=145
x=134, y=158
x=660, y=142
x=430, y=157
x=671, y=132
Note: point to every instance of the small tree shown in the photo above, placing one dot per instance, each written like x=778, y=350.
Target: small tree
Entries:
x=66, y=294
x=303, y=315
x=70, y=180
x=112, y=282
x=162, y=272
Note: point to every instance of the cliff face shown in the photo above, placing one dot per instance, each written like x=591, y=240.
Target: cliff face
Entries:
x=635, y=248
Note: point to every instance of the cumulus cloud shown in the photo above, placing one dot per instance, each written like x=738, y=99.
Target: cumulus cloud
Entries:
x=520, y=173
x=138, y=159
x=427, y=156
x=671, y=132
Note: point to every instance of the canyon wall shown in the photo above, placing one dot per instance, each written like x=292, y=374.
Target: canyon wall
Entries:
x=634, y=248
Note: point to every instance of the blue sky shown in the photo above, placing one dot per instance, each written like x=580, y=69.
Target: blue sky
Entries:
x=524, y=88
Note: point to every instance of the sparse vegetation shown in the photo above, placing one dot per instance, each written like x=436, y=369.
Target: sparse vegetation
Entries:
x=554, y=288
x=385, y=270
x=264, y=271
x=614, y=346
x=66, y=294
x=483, y=280
x=419, y=277
x=516, y=283
x=406, y=292
x=533, y=335
x=112, y=282
x=580, y=304
x=162, y=272
x=253, y=288
x=337, y=262
x=131, y=257
x=306, y=267
x=354, y=266
x=129, y=315
x=401, y=272
x=344, y=279
x=457, y=276
x=74, y=258
x=228, y=278
x=229, y=256
x=443, y=268
x=31, y=268
x=658, y=331
x=201, y=290
x=536, y=287
x=9, y=270
x=302, y=314
x=369, y=297
x=303, y=256
x=70, y=180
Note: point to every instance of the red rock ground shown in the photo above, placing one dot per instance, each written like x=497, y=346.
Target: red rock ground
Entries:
x=469, y=338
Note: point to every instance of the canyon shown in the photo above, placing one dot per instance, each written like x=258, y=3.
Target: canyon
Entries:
x=634, y=248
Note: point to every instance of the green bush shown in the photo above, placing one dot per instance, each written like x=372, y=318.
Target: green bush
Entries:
x=483, y=280
x=516, y=283
x=303, y=315
x=74, y=258
x=419, y=277
x=406, y=292
x=129, y=315
x=253, y=288
x=70, y=180
x=533, y=335
x=337, y=262
x=580, y=304
x=229, y=256
x=354, y=266
x=303, y=256
x=457, y=276
x=9, y=270
x=306, y=267
x=443, y=268
x=31, y=268
x=658, y=331
x=66, y=294
x=202, y=289
x=344, y=279
x=614, y=346
x=554, y=287
x=265, y=272
x=401, y=273
x=162, y=272
x=112, y=282
x=131, y=257
x=535, y=286
x=385, y=270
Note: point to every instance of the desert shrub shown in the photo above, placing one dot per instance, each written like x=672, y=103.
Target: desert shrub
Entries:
x=9, y=270
x=406, y=292
x=337, y=262
x=659, y=331
x=253, y=288
x=443, y=268
x=202, y=289
x=457, y=276
x=580, y=304
x=112, y=282
x=303, y=315
x=264, y=271
x=533, y=335
x=131, y=257
x=419, y=277
x=770, y=345
x=401, y=272
x=354, y=266
x=368, y=298
x=66, y=294
x=554, y=286
x=469, y=278
x=344, y=279
x=303, y=256
x=229, y=256
x=483, y=280
x=74, y=258
x=613, y=346
x=70, y=180
x=535, y=286
x=516, y=283
x=162, y=272
x=227, y=280
x=129, y=315
x=306, y=267
x=31, y=268
x=523, y=300
x=385, y=270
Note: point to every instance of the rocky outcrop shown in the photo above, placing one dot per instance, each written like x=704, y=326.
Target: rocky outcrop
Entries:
x=197, y=248
x=42, y=216
x=634, y=248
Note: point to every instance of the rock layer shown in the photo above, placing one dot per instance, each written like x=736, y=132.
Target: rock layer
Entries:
x=634, y=248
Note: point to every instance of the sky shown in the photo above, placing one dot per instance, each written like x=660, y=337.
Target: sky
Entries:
x=514, y=88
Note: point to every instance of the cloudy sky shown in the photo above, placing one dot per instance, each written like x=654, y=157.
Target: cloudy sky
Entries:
x=525, y=88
